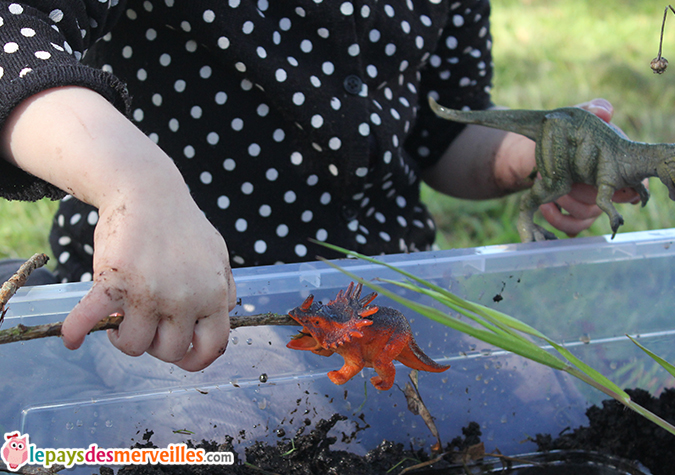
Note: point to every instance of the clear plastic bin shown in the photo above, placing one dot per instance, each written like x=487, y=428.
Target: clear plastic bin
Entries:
x=585, y=292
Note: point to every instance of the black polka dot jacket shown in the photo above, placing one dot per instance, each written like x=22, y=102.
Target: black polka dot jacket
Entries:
x=288, y=119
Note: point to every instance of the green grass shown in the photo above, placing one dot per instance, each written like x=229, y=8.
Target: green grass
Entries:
x=24, y=227
x=547, y=54
x=555, y=53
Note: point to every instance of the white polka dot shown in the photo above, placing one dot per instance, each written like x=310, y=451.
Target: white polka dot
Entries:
x=298, y=98
x=237, y=124
x=458, y=20
x=64, y=240
x=141, y=74
x=165, y=59
x=179, y=85
x=206, y=178
x=189, y=151
x=56, y=15
x=280, y=75
x=63, y=257
x=364, y=129
x=374, y=36
x=138, y=115
x=296, y=158
x=316, y=82
x=11, y=47
x=285, y=24
x=174, y=125
x=321, y=235
x=323, y=33
x=389, y=10
x=86, y=277
x=333, y=169
x=375, y=119
x=328, y=68
x=260, y=246
x=239, y=66
x=289, y=197
x=229, y=164
x=247, y=188
x=209, y=16
x=246, y=85
x=28, y=32
x=263, y=110
x=261, y=52
x=24, y=71
x=74, y=219
x=306, y=216
x=223, y=202
x=254, y=150
x=271, y=174
x=212, y=138
x=334, y=143
x=278, y=135
x=306, y=46
x=151, y=35
x=15, y=9
x=92, y=218
x=265, y=211
x=317, y=121
x=347, y=8
x=354, y=50
x=335, y=103
x=361, y=172
x=282, y=230
x=312, y=180
x=390, y=49
x=301, y=250
x=451, y=42
x=221, y=98
x=248, y=27
x=127, y=52
x=240, y=225
x=196, y=112
x=223, y=42
x=42, y=55
x=205, y=72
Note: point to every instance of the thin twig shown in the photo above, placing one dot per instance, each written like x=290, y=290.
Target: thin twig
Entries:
x=23, y=333
x=659, y=64
x=19, y=279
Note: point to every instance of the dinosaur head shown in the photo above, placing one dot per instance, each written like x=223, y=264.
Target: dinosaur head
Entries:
x=666, y=173
x=333, y=324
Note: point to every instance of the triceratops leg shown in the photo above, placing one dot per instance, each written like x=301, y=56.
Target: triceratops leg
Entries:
x=604, y=201
x=353, y=364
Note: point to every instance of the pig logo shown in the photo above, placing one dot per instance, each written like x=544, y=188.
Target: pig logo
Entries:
x=15, y=450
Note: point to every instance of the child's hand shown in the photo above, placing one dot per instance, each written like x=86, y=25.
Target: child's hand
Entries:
x=166, y=269
x=157, y=260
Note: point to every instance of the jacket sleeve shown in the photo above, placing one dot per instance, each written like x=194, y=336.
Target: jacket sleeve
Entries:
x=458, y=75
x=42, y=44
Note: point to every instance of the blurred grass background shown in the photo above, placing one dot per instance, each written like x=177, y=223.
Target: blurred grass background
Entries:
x=547, y=54
x=556, y=53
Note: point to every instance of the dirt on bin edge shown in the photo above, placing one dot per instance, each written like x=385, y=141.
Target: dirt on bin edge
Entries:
x=613, y=429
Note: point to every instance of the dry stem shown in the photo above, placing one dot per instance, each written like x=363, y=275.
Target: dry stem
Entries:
x=23, y=333
x=19, y=279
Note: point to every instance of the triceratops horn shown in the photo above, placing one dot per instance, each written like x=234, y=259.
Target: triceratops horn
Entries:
x=307, y=303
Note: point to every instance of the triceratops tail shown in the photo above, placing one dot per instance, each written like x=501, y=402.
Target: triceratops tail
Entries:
x=413, y=357
x=523, y=122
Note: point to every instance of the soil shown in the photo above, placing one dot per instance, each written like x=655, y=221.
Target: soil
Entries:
x=612, y=430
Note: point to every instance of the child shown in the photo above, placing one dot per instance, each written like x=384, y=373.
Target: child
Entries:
x=266, y=123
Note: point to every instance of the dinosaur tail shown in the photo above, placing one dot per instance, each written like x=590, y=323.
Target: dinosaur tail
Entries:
x=413, y=357
x=523, y=122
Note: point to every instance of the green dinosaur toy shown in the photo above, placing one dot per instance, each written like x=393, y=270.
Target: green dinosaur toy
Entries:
x=575, y=146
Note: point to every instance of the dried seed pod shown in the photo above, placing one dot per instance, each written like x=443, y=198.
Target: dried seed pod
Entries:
x=659, y=65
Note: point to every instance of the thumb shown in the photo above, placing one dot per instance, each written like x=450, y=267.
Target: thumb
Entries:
x=100, y=302
x=600, y=107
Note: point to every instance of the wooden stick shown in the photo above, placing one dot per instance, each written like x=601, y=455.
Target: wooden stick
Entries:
x=19, y=279
x=23, y=333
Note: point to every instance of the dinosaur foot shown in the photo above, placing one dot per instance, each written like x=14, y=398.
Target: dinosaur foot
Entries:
x=534, y=232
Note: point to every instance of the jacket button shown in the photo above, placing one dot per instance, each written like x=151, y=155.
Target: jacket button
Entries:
x=349, y=213
x=353, y=84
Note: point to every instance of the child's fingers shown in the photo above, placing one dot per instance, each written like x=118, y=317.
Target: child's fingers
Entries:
x=100, y=302
x=208, y=342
